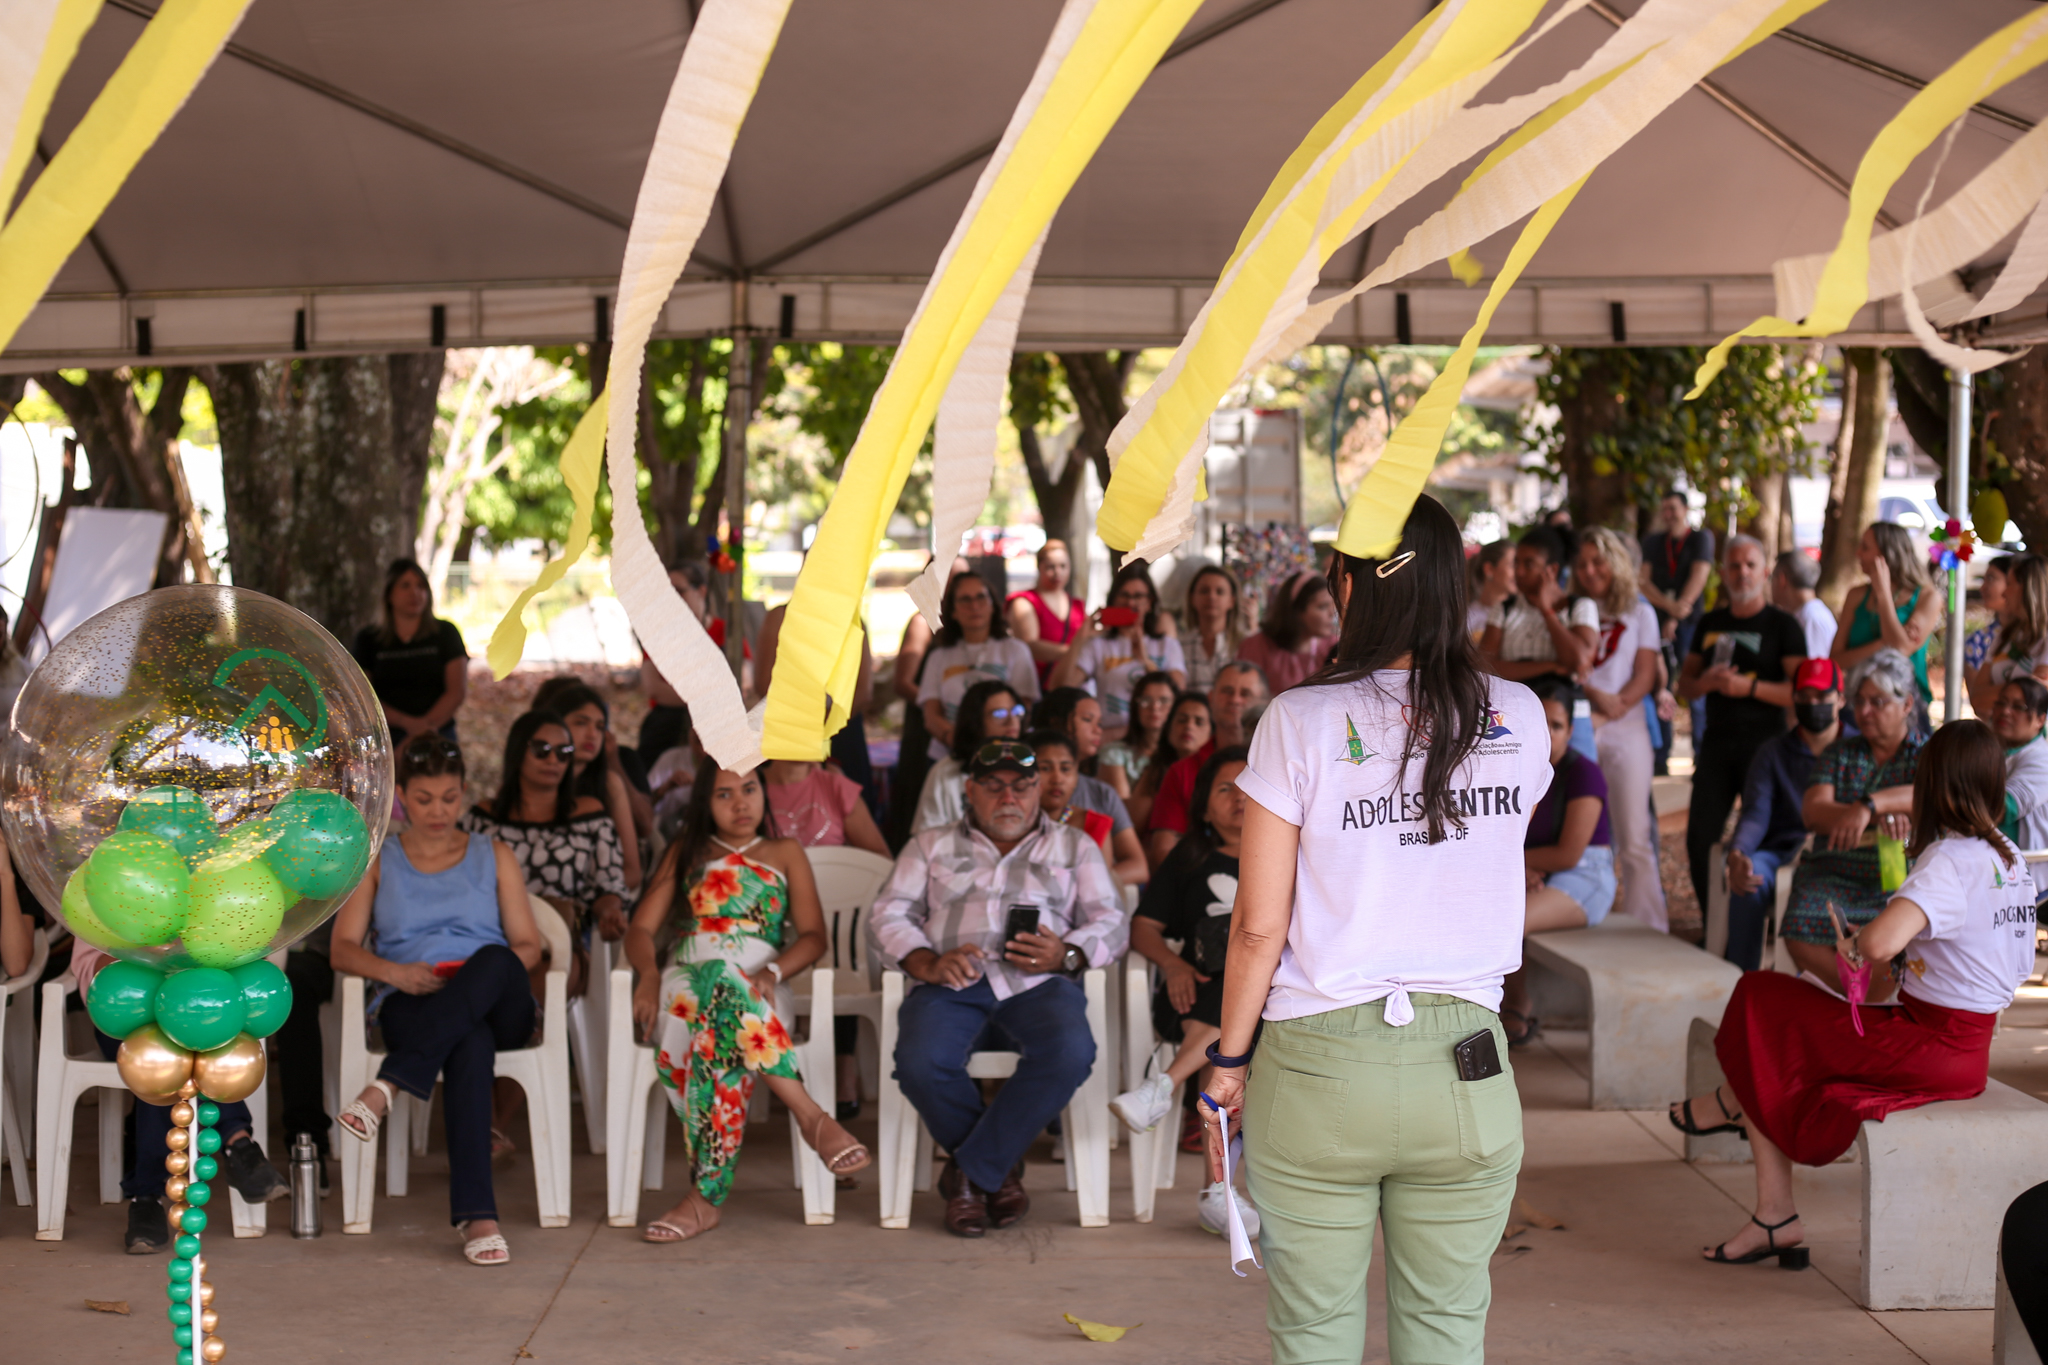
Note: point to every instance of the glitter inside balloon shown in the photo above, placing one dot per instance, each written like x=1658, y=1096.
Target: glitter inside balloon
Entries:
x=196, y=777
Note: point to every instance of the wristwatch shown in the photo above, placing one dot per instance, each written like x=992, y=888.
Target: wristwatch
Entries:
x=1073, y=962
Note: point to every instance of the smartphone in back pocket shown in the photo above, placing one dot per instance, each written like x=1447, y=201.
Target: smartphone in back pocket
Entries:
x=1478, y=1056
x=1021, y=919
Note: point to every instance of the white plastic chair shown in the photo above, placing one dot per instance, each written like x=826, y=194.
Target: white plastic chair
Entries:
x=542, y=1071
x=638, y=1114
x=589, y=1028
x=848, y=881
x=17, y=1082
x=1152, y=1154
x=906, y=1155
x=61, y=1078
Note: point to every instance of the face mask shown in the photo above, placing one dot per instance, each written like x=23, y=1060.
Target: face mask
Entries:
x=1814, y=716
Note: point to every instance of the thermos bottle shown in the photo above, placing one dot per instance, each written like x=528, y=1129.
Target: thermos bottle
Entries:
x=305, y=1187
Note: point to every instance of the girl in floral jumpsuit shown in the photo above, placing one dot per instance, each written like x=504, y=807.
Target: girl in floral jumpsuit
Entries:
x=720, y=1015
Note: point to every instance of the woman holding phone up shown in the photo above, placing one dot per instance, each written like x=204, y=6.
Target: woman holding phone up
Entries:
x=1379, y=906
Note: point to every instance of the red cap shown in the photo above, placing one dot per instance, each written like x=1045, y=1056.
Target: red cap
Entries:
x=1819, y=674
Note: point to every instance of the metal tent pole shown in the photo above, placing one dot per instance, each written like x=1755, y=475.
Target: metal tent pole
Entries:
x=1960, y=384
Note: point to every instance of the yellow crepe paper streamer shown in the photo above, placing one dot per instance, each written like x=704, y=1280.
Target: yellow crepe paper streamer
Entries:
x=1470, y=39
x=151, y=84
x=65, y=24
x=2003, y=57
x=1100, y=1331
x=582, y=461
x=1116, y=46
x=1379, y=509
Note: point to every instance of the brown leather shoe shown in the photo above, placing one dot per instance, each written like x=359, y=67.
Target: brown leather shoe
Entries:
x=1010, y=1203
x=966, y=1207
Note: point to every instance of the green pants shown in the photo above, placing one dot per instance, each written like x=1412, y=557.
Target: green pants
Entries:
x=1349, y=1120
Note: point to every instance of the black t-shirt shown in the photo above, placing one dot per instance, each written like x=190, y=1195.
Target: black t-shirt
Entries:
x=1670, y=566
x=410, y=677
x=1761, y=645
x=1190, y=898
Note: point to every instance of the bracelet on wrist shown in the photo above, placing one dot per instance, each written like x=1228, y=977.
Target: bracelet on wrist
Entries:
x=1218, y=1060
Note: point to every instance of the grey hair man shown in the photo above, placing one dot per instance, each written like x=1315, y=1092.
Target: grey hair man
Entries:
x=1793, y=581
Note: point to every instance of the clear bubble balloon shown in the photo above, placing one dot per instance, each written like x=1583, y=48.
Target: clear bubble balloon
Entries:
x=196, y=777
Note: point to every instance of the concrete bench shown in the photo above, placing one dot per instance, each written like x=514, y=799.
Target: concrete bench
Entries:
x=1639, y=991
x=1936, y=1183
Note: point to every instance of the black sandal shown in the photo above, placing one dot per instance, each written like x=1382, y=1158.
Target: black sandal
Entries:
x=1691, y=1128
x=1532, y=1028
x=1789, y=1258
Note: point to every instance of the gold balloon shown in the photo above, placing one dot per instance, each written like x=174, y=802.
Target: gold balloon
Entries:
x=175, y=1187
x=208, y=1320
x=177, y=1163
x=181, y=1114
x=205, y=1295
x=153, y=1066
x=178, y=1139
x=177, y=1217
x=231, y=1071
x=212, y=1349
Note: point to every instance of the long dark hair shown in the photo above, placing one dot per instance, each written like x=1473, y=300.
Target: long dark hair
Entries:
x=1164, y=755
x=1202, y=839
x=1055, y=711
x=399, y=569
x=949, y=632
x=567, y=693
x=682, y=856
x=967, y=721
x=1959, y=788
x=505, y=805
x=1417, y=608
x=1138, y=571
x=1283, y=624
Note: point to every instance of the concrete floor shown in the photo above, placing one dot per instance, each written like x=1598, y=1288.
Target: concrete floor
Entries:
x=1619, y=1282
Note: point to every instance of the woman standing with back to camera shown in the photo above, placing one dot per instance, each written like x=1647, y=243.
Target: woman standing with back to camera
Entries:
x=1379, y=905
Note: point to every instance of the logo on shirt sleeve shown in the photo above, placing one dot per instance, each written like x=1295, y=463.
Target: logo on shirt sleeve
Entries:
x=1355, y=751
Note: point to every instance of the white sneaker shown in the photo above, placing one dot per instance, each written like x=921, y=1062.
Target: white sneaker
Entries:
x=1214, y=1214
x=1145, y=1108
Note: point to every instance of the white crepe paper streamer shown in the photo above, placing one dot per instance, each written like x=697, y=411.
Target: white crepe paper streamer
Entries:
x=27, y=24
x=1969, y=222
x=1241, y=1253
x=965, y=433
x=1959, y=358
x=2023, y=271
x=721, y=68
x=1673, y=44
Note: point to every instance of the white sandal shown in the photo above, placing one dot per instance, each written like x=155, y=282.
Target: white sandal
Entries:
x=368, y=1119
x=474, y=1249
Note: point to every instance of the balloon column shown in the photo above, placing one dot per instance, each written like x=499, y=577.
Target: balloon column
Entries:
x=196, y=778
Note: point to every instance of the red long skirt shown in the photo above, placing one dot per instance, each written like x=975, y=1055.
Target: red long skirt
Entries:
x=1803, y=1076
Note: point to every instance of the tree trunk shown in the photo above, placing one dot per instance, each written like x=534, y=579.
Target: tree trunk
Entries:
x=1096, y=380
x=1598, y=491
x=672, y=474
x=1767, y=524
x=1060, y=505
x=138, y=451
x=324, y=463
x=1858, y=469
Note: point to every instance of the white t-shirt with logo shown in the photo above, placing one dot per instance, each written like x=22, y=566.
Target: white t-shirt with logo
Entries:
x=1114, y=664
x=949, y=670
x=1978, y=945
x=1378, y=910
x=1617, y=639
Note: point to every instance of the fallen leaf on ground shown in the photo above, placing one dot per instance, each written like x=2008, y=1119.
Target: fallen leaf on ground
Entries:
x=1100, y=1331
x=108, y=1306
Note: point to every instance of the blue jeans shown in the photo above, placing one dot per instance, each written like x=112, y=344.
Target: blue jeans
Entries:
x=1747, y=914
x=936, y=1030
x=151, y=1124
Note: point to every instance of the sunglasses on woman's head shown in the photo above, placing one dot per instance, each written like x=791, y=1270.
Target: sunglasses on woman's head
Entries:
x=540, y=748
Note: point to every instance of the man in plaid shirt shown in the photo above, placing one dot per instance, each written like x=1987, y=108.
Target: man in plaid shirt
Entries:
x=941, y=916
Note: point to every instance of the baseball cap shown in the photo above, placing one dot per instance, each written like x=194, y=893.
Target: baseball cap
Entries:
x=1822, y=675
x=1003, y=755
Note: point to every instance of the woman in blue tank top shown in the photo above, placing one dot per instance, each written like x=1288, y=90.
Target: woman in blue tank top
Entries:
x=443, y=925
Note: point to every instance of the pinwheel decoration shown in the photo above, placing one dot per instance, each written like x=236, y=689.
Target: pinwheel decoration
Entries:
x=1953, y=544
x=720, y=560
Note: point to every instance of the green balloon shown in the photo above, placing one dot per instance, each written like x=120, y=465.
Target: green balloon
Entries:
x=123, y=998
x=200, y=1008
x=138, y=886
x=322, y=846
x=77, y=912
x=235, y=913
x=266, y=994
x=175, y=814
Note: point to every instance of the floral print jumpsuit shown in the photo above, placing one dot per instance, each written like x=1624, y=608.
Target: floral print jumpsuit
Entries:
x=716, y=1028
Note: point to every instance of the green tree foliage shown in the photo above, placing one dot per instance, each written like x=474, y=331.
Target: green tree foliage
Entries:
x=1623, y=430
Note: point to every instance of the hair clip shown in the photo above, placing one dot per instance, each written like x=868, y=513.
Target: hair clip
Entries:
x=1394, y=565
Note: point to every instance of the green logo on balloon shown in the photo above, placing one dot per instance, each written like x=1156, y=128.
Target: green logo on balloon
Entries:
x=200, y=1009
x=138, y=886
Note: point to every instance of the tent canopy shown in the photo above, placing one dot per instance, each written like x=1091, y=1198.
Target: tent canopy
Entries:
x=386, y=175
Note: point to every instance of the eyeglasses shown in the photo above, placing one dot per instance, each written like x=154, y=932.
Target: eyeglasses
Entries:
x=1009, y=713
x=540, y=748
x=2018, y=704
x=1023, y=786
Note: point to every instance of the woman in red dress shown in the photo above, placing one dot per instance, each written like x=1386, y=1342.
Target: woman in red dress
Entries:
x=1046, y=617
x=1806, y=1069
